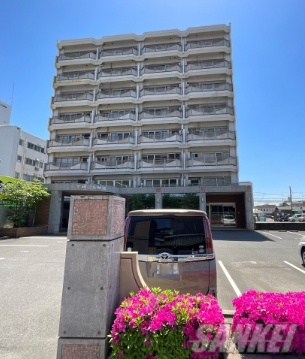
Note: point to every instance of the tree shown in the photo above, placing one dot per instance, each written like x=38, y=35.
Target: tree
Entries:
x=23, y=198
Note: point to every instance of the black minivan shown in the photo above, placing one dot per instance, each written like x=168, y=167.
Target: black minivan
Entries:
x=175, y=249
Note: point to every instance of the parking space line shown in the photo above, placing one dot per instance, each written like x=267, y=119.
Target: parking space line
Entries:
x=272, y=235
x=231, y=281
x=299, y=234
x=2, y=259
x=25, y=245
x=295, y=267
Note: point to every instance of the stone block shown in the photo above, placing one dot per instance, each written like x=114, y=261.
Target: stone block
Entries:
x=96, y=218
x=91, y=288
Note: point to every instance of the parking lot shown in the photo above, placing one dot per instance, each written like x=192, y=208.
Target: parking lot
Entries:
x=31, y=278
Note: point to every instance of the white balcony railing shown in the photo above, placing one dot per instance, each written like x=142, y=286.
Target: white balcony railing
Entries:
x=76, y=75
x=69, y=143
x=211, y=134
x=115, y=115
x=161, y=112
x=160, y=90
x=199, y=65
x=71, y=118
x=57, y=166
x=207, y=87
x=126, y=71
x=209, y=161
x=116, y=93
x=160, y=137
x=74, y=96
x=159, y=163
x=207, y=110
x=150, y=69
x=113, y=140
x=207, y=43
x=77, y=55
x=161, y=47
x=112, y=164
x=119, y=52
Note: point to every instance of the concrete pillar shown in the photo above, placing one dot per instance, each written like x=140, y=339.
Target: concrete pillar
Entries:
x=55, y=212
x=158, y=200
x=91, y=279
x=202, y=201
x=249, y=208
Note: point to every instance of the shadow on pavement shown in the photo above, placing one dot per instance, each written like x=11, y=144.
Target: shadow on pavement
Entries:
x=240, y=236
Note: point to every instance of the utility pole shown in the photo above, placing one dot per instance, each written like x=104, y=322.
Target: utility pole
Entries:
x=290, y=199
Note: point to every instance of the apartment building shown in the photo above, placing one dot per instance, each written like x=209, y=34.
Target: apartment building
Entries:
x=5, y=113
x=22, y=155
x=151, y=113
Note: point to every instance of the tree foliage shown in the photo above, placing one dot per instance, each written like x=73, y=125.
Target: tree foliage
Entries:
x=23, y=198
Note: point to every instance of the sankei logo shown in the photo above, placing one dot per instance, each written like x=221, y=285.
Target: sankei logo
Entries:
x=268, y=338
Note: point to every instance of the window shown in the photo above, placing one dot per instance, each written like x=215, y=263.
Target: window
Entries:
x=20, y=142
x=34, y=147
x=19, y=158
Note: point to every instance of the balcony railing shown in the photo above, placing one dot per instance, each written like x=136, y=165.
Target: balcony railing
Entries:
x=208, y=161
x=112, y=164
x=150, y=69
x=57, y=166
x=71, y=118
x=118, y=72
x=206, y=87
x=211, y=134
x=68, y=143
x=74, y=96
x=206, y=110
x=161, y=47
x=117, y=93
x=161, y=137
x=118, y=52
x=77, y=55
x=199, y=65
x=160, y=90
x=161, y=112
x=207, y=43
x=112, y=140
x=115, y=116
x=159, y=163
x=76, y=75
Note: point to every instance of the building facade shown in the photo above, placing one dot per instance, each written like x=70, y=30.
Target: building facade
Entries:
x=5, y=113
x=22, y=155
x=152, y=113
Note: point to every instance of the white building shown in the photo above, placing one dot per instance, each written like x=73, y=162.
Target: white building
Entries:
x=5, y=113
x=22, y=155
x=152, y=111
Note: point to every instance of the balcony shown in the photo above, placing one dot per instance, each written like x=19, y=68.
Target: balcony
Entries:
x=153, y=69
x=208, y=110
x=207, y=43
x=161, y=48
x=211, y=64
x=113, y=164
x=160, y=90
x=150, y=113
x=117, y=93
x=119, y=115
x=119, y=52
x=71, y=118
x=79, y=55
x=157, y=137
x=159, y=163
x=76, y=75
x=208, y=160
x=61, y=166
x=208, y=87
x=69, y=142
x=74, y=96
x=220, y=133
x=116, y=72
x=113, y=138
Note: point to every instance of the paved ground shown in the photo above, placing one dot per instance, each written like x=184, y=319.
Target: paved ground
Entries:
x=31, y=278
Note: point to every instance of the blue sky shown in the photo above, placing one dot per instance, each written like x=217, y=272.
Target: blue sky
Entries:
x=268, y=40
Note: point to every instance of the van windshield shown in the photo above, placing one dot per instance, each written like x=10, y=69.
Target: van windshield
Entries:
x=168, y=233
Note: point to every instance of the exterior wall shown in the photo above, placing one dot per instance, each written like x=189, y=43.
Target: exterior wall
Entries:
x=17, y=159
x=5, y=113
